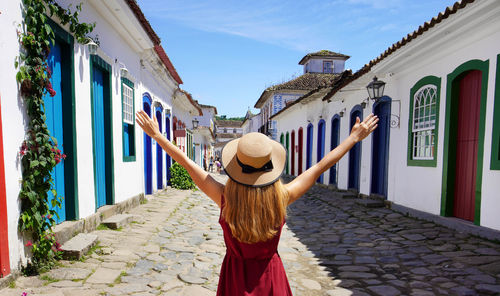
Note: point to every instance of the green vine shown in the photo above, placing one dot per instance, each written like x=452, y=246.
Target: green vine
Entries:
x=39, y=152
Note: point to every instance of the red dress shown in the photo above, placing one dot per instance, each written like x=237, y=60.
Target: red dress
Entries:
x=251, y=269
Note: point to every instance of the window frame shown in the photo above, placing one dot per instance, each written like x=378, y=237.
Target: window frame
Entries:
x=332, y=68
x=436, y=82
x=495, y=135
x=131, y=157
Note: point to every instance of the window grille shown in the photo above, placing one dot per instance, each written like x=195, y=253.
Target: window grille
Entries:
x=424, y=122
x=128, y=104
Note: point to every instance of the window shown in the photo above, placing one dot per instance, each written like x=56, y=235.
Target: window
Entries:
x=495, y=140
x=424, y=122
x=327, y=67
x=234, y=131
x=225, y=130
x=128, y=119
x=424, y=113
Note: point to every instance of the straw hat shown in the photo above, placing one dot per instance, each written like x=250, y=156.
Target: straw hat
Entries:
x=254, y=160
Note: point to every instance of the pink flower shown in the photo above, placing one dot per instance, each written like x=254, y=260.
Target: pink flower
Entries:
x=24, y=294
x=29, y=244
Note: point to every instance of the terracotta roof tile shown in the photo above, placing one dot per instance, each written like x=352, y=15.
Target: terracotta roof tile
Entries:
x=166, y=61
x=144, y=22
x=322, y=53
x=408, y=38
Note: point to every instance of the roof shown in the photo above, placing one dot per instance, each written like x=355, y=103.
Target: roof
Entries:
x=144, y=22
x=322, y=54
x=208, y=106
x=228, y=123
x=306, y=82
x=166, y=61
x=190, y=98
x=408, y=38
x=154, y=38
x=322, y=90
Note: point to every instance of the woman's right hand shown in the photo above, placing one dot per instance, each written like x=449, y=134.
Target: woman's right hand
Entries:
x=150, y=126
x=361, y=130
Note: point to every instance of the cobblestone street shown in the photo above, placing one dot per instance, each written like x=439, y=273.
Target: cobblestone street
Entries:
x=329, y=245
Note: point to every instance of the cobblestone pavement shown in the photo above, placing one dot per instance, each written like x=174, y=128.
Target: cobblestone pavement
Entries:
x=329, y=245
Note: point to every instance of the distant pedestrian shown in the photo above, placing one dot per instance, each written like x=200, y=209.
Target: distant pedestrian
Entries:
x=218, y=164
x=211, y=164
x=253, y=203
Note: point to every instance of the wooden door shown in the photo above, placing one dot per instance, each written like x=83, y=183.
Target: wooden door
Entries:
x=168, y=159
x=148, y=152
x=102, y=126
x=4, y=231
x=293, y=153
x=354, y=155
x=300, y=150
x=380, y=148
x=159, y=154
x=334, y=142
x=320, y=151
x=53, y=107
x=469, y=101
x=287, y=141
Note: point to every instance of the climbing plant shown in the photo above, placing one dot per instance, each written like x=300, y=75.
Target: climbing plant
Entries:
x=39, y=152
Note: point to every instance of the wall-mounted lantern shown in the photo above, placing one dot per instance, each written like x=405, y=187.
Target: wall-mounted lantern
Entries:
x=341, y=113
x=375, y=89
x=93, y=44
x=195, y=123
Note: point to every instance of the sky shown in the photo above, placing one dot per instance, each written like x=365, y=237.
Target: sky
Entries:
x=228, y=52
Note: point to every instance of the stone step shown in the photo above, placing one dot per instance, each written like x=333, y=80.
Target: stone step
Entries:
x=79, y=245
x=117, y=221
x=370, y=203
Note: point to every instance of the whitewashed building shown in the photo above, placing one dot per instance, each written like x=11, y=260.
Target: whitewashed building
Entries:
x=204, y=135
x=437, y=147
x=320, y=69
x=251, y=123
x=109, y=160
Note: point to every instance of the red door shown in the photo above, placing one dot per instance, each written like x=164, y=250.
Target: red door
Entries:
x=4, y=234
x=469, y=101
x=293, y=152
x=301, y=136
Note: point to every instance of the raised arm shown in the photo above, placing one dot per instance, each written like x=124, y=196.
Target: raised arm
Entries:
x=306, y=180
x=202, y=179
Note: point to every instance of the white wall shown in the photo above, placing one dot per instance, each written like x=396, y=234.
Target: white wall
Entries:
x=315, y=65
x=13, y=123
x=429, y=54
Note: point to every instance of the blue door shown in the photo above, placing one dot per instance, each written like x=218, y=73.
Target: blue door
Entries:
x=168, y=160
x=309, y=145
x=98, y=88
x=380, y=148
x=334, y=142
x=321, y=145
x=54, y=121
x=159, y=153
x=148, y=150
x=355, y=152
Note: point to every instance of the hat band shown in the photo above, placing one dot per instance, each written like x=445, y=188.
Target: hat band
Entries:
x=248, y=169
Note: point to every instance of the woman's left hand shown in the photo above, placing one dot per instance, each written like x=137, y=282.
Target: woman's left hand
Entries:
x=361, y=130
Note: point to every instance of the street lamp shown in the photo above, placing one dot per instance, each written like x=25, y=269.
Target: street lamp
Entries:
x=195, y=123
x=375, y=89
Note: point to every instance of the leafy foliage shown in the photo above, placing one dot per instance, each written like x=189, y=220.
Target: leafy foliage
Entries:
x=39, y=152
x=180, y=178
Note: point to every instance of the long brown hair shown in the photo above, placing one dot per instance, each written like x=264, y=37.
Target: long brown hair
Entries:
x=254, y=214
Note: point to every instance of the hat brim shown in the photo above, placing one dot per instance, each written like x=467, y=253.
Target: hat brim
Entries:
x=257, y=179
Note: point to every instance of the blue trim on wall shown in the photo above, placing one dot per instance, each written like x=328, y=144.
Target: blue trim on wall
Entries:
x=159, y=150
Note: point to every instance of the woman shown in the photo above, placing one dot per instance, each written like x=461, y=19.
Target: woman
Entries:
x=253, y=203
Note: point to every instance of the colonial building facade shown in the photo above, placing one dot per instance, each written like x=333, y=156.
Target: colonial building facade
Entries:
x=92, y=115
x=320, y=69
x=437, y=146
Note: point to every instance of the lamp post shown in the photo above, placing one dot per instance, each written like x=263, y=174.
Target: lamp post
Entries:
x=375, y=89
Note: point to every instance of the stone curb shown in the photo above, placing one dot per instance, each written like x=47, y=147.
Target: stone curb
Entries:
x=449, y=222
